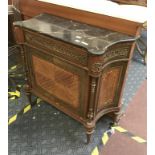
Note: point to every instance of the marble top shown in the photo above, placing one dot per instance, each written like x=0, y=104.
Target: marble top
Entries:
x=94, y=39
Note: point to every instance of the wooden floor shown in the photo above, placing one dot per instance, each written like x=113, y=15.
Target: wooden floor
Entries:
x=134, y=121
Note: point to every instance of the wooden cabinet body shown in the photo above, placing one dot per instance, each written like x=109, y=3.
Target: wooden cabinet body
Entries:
x=132, y=2
x=77, y=68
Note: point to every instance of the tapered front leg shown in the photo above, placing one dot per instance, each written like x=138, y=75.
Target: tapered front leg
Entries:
x=27, y=86
x=28, y=93
x=115, y=116
x=89, y=131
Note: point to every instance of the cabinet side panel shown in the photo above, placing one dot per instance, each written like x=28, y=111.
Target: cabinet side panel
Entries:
x=109, y=84
x=57, y=81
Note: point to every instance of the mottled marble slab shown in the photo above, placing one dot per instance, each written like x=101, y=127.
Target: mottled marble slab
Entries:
x=94, y=39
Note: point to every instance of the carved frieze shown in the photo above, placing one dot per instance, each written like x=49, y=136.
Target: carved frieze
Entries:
x=58, y=48
x=121, y=52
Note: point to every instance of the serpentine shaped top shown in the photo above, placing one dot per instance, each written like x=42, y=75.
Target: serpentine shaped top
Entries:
x=95, y=40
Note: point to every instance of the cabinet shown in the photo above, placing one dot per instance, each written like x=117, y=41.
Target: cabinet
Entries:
x=78, y=68
x=132, y=2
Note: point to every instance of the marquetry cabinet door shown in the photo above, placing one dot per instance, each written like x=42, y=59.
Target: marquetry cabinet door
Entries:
x=57, y=81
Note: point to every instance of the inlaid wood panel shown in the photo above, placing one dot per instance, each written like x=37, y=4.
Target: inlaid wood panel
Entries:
x=57, y=81
x=109, y=83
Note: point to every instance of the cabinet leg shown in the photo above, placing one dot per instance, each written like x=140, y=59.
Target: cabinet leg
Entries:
x=89, y=132
x=29, y=97
x=115, y=118
x=88, y=138
x=118, y=116
x=28, y=93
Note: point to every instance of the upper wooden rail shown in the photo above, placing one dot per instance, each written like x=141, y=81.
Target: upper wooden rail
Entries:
x=132, y=2
x=30, y=8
